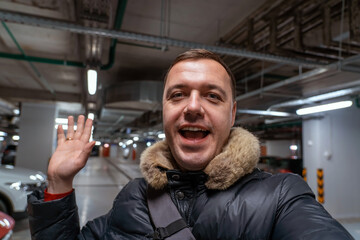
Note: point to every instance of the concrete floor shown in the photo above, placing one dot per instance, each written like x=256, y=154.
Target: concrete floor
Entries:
x=99, y=183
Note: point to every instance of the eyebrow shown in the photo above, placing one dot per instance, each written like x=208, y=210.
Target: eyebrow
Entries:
x=208, y=86
x=170, y=89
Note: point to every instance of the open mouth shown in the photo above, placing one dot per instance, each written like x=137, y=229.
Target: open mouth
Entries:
x=194, y=133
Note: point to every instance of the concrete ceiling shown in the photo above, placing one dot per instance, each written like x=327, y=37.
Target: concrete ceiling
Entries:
x=279, y=50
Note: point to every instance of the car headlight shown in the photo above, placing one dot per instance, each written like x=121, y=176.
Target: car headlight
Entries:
x=27, y=187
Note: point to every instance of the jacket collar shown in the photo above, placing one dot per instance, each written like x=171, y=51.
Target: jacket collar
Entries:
x=238, y=158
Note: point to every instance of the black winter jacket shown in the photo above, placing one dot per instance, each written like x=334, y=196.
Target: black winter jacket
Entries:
x=226, y=201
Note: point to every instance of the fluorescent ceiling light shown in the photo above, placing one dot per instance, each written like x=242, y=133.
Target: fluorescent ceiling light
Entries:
x=136, y=139
x=97, y=143
x=264, y=113
x=324, y=107
x=3, y=134
x=92, y=81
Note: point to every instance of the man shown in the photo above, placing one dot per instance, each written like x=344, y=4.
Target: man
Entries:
x=205, y=165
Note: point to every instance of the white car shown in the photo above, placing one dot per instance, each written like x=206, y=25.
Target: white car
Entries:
x=15, y=184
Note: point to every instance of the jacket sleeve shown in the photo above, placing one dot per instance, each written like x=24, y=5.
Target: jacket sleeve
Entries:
x=59, y=219
x=300, y=216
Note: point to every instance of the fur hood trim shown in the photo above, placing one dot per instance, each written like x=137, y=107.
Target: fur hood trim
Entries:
x=238, y=158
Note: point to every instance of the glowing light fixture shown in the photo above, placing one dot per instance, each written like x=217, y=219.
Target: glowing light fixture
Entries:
x=92, y=81
x=324, y=107
x=161, y=135
x=97, y=143
x=16, y=111
x=61, y=121
x=16, y=138
x=293, y=147
x=91, y=116
x=136, y=139
x=3, y=134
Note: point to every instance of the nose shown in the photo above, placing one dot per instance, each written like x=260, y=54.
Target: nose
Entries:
x=194, y=106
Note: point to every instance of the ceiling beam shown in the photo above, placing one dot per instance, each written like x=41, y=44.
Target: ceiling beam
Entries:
x=60, y=25
x=30, y=94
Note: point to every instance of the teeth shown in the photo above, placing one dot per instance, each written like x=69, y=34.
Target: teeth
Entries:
x=195, y=129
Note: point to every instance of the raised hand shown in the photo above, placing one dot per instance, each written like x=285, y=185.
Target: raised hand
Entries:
x=70, y=155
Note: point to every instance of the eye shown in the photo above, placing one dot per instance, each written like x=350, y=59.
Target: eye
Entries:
x=176, y=95
x=214, y=97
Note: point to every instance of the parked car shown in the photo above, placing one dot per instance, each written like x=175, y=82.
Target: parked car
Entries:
x=7, y=224
x=276, y=164
x=15, y=184
x=9, y=155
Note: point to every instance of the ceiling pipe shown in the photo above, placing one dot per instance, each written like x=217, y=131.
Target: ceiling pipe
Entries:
x=41, y=22
x=38, y=74
x=283, y=83
x=41, y=60
x=312, y=73
x=263, y=71
x=118, y=22
x=287, y=35
x=140, y=45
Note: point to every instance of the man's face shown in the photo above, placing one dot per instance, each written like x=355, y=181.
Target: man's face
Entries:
x=198, y=111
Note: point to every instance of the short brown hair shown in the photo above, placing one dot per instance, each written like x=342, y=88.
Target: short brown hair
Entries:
x=203, y=54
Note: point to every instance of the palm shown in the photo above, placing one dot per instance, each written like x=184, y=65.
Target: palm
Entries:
x=67, y=159
x=70, y=155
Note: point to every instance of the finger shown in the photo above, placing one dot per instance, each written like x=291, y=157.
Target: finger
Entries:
x=80, y=127
x=60, y=135
x=70, y=131
x=87, y=131
x=84, y=155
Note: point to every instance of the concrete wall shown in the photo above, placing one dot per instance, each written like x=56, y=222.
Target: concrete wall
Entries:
x=333, y=143
x=280, y=148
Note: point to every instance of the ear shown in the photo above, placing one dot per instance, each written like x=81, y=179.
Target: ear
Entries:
x=233, y=111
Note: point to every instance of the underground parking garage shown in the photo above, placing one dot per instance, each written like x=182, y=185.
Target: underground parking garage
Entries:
x=296, y=65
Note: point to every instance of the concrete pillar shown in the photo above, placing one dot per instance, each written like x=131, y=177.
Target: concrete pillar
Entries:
x=37, y=135
x=332, y=143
